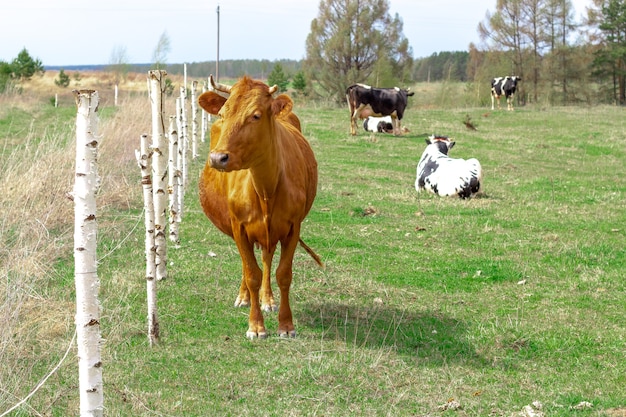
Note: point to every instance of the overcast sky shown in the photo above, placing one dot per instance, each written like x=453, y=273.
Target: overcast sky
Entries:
x=86, y=32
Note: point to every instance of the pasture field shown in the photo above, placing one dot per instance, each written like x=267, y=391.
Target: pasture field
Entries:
x=491, y=303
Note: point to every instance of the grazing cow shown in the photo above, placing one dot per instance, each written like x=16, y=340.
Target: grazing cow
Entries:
x=445, y=176
x=377, y=102
x=378, y=124
x=257, y=186
x=504, y=86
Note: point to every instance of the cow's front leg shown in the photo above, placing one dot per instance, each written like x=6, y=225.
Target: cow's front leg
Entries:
x=256, y=324
x=253, y=277
x=397, y=131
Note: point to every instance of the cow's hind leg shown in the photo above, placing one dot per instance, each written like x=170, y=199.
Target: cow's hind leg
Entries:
x=353, y=118
x=267, y=297
x=243, y=299
x=284, y=275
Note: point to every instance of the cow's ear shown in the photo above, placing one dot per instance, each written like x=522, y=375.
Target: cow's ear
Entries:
x=429, y=141
x=451, y=144
x=282, y=104
x=211, y=102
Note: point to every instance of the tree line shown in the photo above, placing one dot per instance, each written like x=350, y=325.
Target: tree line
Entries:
x=560, y=60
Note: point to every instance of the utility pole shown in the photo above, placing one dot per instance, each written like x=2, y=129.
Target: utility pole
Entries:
x=217, y=61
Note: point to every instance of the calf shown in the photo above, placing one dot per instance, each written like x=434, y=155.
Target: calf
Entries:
x=504, y=86
x=378, y=124
x=445, y=176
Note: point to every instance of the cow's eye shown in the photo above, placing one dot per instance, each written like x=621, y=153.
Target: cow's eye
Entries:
x=256, y=115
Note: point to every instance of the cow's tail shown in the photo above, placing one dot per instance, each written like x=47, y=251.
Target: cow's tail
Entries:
x=348, y=99
x=314, y=255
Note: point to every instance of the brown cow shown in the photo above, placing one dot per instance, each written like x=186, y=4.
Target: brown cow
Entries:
x=257, y=186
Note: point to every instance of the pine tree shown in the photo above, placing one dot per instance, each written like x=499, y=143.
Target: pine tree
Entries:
x=299, y=83
x=24, y=66
x=611, y=59
x=278, y=77
x=63, y=80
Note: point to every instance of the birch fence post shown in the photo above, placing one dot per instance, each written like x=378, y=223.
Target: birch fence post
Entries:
x=144, y=159
x=205, y=121
x=194, y=120
x=86, y=279
x=180, y=161
x=159, y=171
x=173, y=180
x=183, y=138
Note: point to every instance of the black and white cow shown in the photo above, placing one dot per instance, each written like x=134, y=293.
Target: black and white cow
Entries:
x=378, y=124
x=504, y=86
x=377, y=102
x=445, y=176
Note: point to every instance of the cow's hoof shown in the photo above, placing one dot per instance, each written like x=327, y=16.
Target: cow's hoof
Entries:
x=287, y=335
x=239, y=302
x=256, y=335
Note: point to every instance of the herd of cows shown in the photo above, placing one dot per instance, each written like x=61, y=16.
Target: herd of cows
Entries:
x=260, y=178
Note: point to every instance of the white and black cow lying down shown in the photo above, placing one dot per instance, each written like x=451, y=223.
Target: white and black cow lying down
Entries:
x=504, y=86
x=377, y=102
x=378, y=124
x=445, y=176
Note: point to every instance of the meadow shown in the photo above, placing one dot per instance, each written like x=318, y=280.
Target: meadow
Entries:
x=427, y=306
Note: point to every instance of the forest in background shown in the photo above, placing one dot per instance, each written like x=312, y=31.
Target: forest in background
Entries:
x=560, y=60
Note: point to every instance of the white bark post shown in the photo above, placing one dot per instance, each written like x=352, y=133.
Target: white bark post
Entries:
x=116, y=92
x=85, y=264
x=183, y=138
x=205, y=119
x=173, y=180
x=194, y=120
x=159, y=171
x=180, y=161
x=144, y=159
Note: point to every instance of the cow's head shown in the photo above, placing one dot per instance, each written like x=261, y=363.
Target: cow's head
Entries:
x=246, y=123
x=442, y=143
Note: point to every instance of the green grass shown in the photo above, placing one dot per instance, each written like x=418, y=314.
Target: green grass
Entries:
x=498, y=301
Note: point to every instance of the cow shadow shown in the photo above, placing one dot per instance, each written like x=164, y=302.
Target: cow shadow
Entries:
x=430, y=337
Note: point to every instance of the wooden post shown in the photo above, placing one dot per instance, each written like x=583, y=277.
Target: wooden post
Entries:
x=86, y=279
x=159, y=170
x=144, y=159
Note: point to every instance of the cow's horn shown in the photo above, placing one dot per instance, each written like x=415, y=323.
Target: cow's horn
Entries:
x=273, y=89
x=219, y=87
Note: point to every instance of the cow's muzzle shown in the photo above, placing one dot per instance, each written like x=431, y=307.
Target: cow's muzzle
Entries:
x=219, y=160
